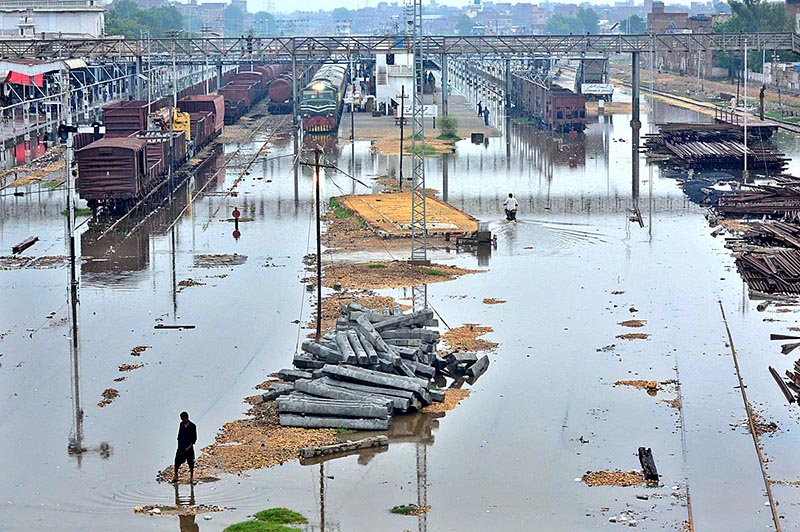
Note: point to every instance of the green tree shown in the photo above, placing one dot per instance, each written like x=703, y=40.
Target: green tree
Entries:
x=341, y=13
x=559, y=24
x=233, y=21
x=585, y=21
x=464, y=25
x=752, y=16
x=588, y=19
x=264, y=23
x=127, y=19
x=633, y=25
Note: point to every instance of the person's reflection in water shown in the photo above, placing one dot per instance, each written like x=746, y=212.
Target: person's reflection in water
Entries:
x=186, y=522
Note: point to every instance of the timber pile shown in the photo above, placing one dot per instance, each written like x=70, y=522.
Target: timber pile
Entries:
x=794, y=380
x=716, y=146
x=781, y=200
x=375, y=364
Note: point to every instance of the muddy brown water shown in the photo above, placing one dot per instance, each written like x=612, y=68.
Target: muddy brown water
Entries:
x=507, y=457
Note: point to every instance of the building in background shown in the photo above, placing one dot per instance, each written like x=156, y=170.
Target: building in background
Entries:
x=67, y=18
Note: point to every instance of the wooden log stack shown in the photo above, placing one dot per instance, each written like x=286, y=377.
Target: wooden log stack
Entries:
x=374, y=365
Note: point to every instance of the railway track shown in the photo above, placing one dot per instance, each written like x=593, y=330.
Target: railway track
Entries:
x=229, y=161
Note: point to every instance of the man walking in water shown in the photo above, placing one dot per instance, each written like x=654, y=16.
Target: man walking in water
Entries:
x=187, y=436
x=480, y=108
x=510, y=205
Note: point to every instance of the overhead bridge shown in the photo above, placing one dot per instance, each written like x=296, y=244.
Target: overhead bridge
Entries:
x=500, y=46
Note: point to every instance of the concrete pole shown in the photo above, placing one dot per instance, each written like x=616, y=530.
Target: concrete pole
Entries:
x=445, y=82
x=636, y=126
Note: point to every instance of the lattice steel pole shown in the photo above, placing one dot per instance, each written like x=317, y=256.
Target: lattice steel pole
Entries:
x=419, y=228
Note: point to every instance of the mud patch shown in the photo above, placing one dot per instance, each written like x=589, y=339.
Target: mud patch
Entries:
x=333, y=303
x=467, y=338
x=613, y=478
x=633, y=323
x=396, y=274
x=633, y=336
x=493, y=301
x=109, y=394
x=218, y=260
x=452, y=396
x=130, y=367
x=189, y=282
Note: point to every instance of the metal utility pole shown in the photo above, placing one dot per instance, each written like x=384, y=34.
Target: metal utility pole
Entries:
x=402, y=129
x=419, y=228
x=319, y=246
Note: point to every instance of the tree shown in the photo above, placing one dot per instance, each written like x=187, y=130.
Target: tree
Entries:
x=585, y=21
x=633, y=25
x=588, y=19
x=341, y=13
x=559, y=24
x=233, y=21
x=464, y=25
x=752, y=16
x=264, y=23
x=126, y=19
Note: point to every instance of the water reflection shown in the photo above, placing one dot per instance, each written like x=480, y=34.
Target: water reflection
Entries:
x=186, y=522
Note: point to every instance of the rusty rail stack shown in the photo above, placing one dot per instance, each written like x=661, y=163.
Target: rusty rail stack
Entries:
x=711, y=146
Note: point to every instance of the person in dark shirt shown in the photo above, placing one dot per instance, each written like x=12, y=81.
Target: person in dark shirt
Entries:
x=187, y=436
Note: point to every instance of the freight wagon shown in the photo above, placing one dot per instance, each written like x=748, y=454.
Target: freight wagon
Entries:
x=551, y=106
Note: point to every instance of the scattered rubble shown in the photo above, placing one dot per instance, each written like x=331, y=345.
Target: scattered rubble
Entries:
x=452, y=396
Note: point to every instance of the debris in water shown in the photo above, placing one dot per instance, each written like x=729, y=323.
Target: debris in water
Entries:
x=218, y=260
x=613, y=478
x=633, y=336
x=139, y=349
x=493, y=301
x=632, y=323
x=130, y=367
x=109, y=394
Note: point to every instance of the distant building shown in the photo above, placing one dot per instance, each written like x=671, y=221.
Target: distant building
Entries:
x=697, y=62
x=793, y=12
x=71, y=18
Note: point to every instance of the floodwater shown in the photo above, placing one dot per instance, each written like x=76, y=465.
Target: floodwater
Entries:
x=508, y=457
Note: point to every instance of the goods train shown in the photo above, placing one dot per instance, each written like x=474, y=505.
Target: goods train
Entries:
x=143, y=140
x=551, y=106
x=322, y=100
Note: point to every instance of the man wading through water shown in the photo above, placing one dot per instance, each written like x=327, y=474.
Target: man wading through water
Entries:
x=187, y=436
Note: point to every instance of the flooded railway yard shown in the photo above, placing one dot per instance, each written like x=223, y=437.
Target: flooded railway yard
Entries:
x=587, y=308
